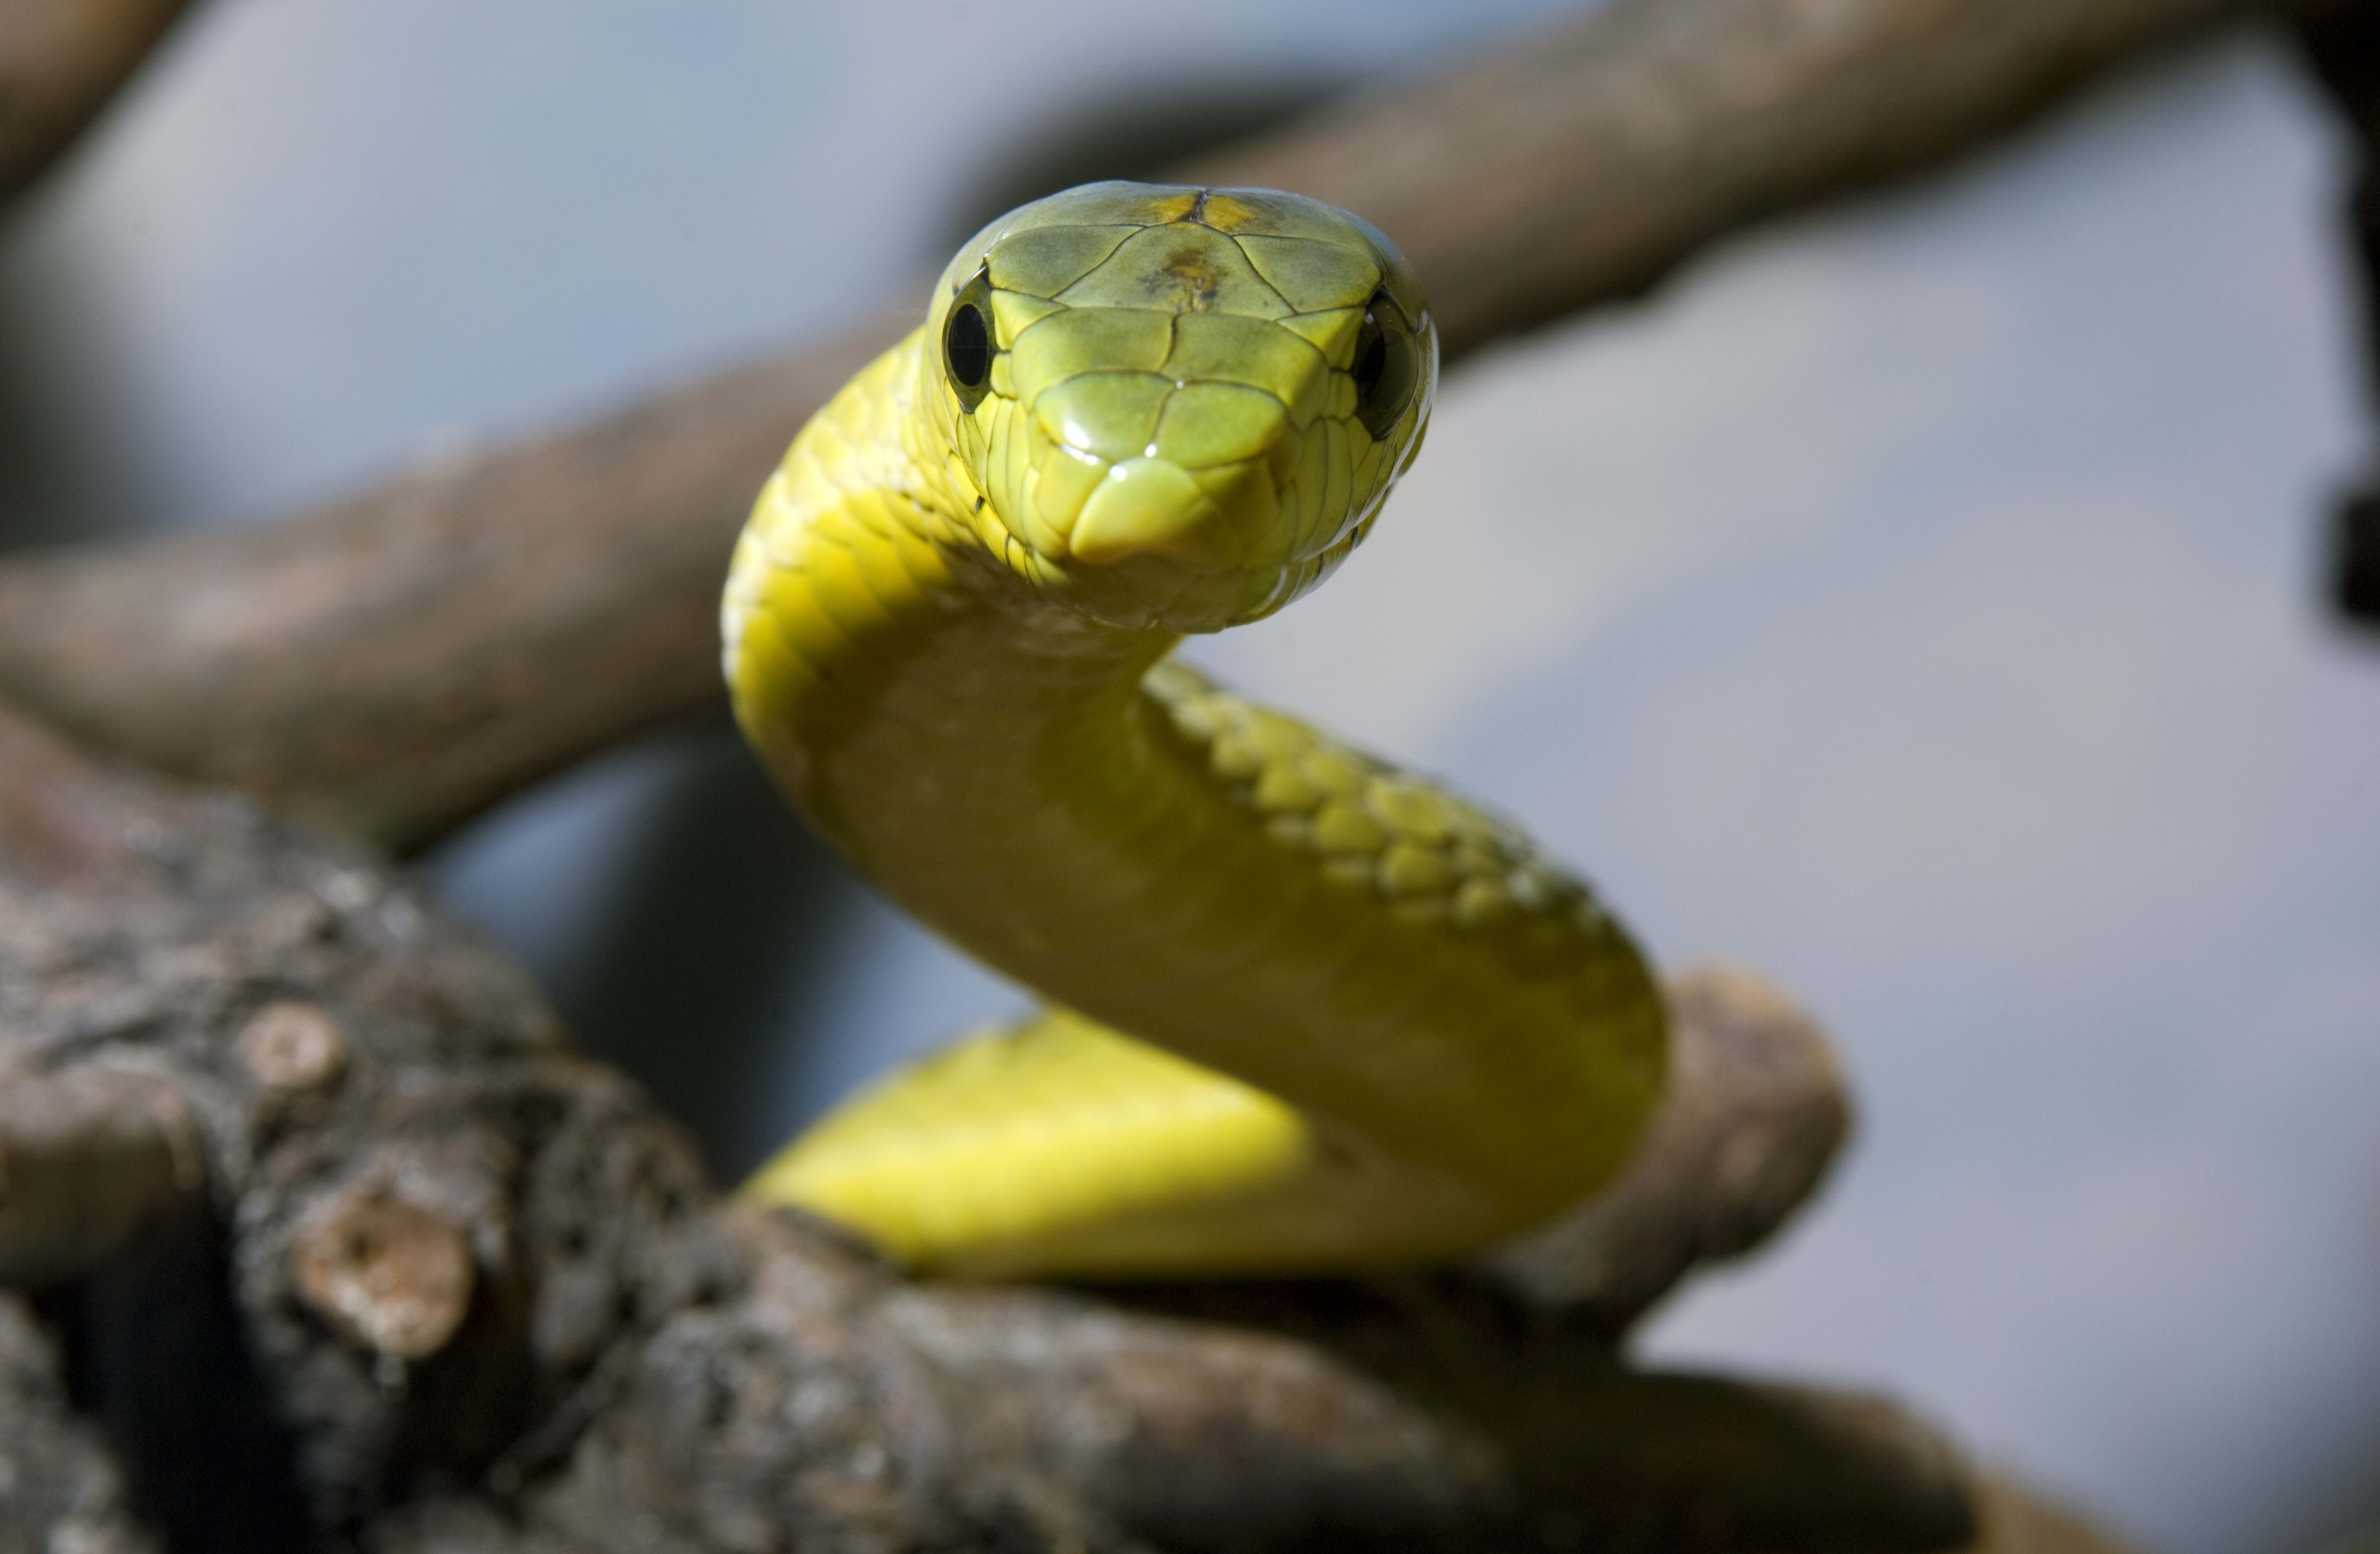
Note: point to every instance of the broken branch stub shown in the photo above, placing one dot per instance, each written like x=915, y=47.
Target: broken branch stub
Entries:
x=387, y=1273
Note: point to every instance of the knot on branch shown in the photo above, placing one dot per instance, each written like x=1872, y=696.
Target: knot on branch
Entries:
x=388, y=1273
x=293, y=1048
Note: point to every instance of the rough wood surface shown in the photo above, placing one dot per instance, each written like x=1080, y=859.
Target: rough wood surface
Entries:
x=459, y=1288
x=60, y=62
x=412, y=655
x=60, y=1492
x=86, y=1160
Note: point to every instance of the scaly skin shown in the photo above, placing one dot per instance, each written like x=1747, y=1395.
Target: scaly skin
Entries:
x=944, y=632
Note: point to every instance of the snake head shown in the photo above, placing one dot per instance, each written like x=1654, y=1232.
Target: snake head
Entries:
x=1174, y=406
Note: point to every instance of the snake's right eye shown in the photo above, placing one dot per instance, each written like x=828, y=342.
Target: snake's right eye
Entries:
x=967, y=343
x=970, y=346
x=1387, y=365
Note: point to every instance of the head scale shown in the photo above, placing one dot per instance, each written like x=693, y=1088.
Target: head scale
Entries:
x=1174, y=406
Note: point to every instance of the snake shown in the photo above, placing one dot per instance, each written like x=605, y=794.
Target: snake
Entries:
x=1306, y=1013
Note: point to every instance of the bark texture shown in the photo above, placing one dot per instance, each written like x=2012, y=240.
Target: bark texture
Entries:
x=412, y=655
x=59, y=1490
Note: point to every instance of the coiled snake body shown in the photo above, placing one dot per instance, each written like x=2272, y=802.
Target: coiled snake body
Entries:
x=1367, y=1024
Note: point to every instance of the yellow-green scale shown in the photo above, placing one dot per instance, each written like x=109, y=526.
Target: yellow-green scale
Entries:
x=1433, y=1038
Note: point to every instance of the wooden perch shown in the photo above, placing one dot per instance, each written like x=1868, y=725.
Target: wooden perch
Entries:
x=492, y=1305
x=415, y=654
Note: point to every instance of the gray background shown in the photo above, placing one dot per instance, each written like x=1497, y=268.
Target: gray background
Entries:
x=1917, y=601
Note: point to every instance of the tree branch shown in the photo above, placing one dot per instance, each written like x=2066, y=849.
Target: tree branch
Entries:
x=415, y=654
x=460, y=1255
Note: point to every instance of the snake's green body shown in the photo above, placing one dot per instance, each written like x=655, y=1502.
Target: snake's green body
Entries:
x=1309, y=1013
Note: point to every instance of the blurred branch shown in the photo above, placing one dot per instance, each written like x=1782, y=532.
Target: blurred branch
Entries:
x=405, y=657
x=2355, y=579
x=60, y=61
x=412, y=654
x=1583, y=165
x=2343, y=45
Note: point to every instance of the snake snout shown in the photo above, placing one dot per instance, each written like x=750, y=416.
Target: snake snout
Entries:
x=1152, y=505
x=1189, y=472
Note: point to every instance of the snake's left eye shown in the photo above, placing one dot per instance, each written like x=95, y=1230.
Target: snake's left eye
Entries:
x=1387, y=365
x=967, y=342
x=970, y=346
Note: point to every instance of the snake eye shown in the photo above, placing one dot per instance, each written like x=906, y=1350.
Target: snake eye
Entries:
x=967, y=342
x=1388, y=363
x=969, y=346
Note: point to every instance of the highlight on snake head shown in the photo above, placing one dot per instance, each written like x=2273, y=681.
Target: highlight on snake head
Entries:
x=1175, y=407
